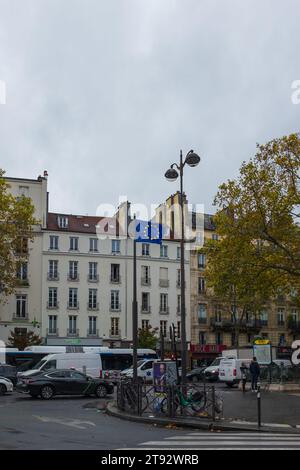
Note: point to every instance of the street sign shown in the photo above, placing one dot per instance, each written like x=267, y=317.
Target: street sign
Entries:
x=262, y=342
x=263, y=353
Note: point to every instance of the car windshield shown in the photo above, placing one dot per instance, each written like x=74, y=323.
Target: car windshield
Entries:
x=216, y=362
x=40, y=364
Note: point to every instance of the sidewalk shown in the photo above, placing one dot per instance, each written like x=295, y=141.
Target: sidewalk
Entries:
x=280, y=413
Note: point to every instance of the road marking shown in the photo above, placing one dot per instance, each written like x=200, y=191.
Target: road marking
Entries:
x=270, y=425
x=73, y=423
x=218, y=441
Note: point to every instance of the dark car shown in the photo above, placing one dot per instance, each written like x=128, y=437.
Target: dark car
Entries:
x=196, y=375
x=64, y=382
x=9, y=372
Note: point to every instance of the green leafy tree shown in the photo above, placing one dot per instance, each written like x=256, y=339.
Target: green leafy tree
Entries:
x=147, y=337
x=21, y=340
x=16, y=229
x=258, y=254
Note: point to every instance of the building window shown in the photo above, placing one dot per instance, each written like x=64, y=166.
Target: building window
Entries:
x=178, y=252
x=202, y=338
x=62, y=221
x=92, y=299
x=163, y=277
x=163, y=328
x=201, y=260
x=281, y=317
x=74, y=243
x=145, y=324
x=282, y=341
x=264, y=318
x=215, y=236
x=115, y=273
x=178, y=275
x=53, y=242
x=22, y=272
x=164, y=251
x=201, y=285
x=178, y=330
x=21, y=246
x=294, y=315
x=115, y=246
x=53, y=270
x=52, y=297
x=93, y=269
x=233, y=339
x=114, y=300
x=218, y=313
x=178, y=303
x=52, y=324
x=164, y=303
x=219, y=338
x=146, y=275
x=202, y=314
x=21, y=306
x=73, y=270
x=145, y=301
x=92, y=326
x=115, y=328
x=93, y=245
x=145, y=249
x=72, y=325
x=73, y=298
x=24, y=191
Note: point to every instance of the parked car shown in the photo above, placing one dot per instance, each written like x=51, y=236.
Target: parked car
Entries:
x=64, y=382
x=6, y=385
x=9, y=372
x=84, y=362
x=196, y=375
x=212, y=372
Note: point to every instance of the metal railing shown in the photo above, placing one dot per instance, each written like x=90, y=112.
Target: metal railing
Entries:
x=164, y=283
x=173, y=401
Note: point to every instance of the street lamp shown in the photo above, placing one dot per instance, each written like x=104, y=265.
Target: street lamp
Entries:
x=175, y=170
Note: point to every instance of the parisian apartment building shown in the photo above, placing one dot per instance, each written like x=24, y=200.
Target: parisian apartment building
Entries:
x=76, y=287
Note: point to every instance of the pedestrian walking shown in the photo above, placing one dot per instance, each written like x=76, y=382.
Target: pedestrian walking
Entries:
x=244, y=375
x=255, y=373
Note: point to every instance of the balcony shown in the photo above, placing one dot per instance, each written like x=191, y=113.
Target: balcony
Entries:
x=280, y=322
x=73, y=305
x=294, y=326
x=115, y=308
x=72, y=333
x=115, y=279
x=145, y=309
x=52, y=277
x=164, y=311
x=146, y=281
x=93, y=278
x=52, y=332
x=93, y=307
x=19, y=318
x=22, y=282
x=115, y=333
x=52, y=305
x=94, y=334
x=242, y=325
x=73, y=277
x=164, y=283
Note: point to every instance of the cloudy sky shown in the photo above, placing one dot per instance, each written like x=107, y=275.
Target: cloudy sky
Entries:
x=104, y=93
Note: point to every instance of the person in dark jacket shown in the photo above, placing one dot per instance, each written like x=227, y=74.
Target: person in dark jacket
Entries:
x=255, y=373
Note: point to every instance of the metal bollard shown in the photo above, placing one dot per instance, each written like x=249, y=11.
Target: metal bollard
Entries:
x=258, y=405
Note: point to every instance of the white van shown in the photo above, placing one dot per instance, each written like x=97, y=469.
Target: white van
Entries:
x=144, y=370
x=84, y=362
x=230, y=370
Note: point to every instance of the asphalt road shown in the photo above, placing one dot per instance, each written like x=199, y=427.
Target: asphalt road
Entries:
x=69, y=423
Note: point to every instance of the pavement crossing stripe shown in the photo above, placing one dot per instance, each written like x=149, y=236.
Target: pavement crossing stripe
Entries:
x=252, y=434
x=232, y=443
x=237, y=438
x=213, y=448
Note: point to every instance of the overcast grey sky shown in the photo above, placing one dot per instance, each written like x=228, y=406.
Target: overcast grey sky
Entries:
x=104, y=93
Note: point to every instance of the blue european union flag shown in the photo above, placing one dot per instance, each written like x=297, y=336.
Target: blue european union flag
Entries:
x=148, y=232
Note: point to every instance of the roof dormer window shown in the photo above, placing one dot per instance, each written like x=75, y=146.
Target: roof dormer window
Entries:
x=62, y=221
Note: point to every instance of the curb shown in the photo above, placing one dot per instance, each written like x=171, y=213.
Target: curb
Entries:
x=205, y=425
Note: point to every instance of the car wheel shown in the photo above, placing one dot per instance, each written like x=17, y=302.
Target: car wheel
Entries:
x=3, y=389
x=47, y=392
x=101, y=391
